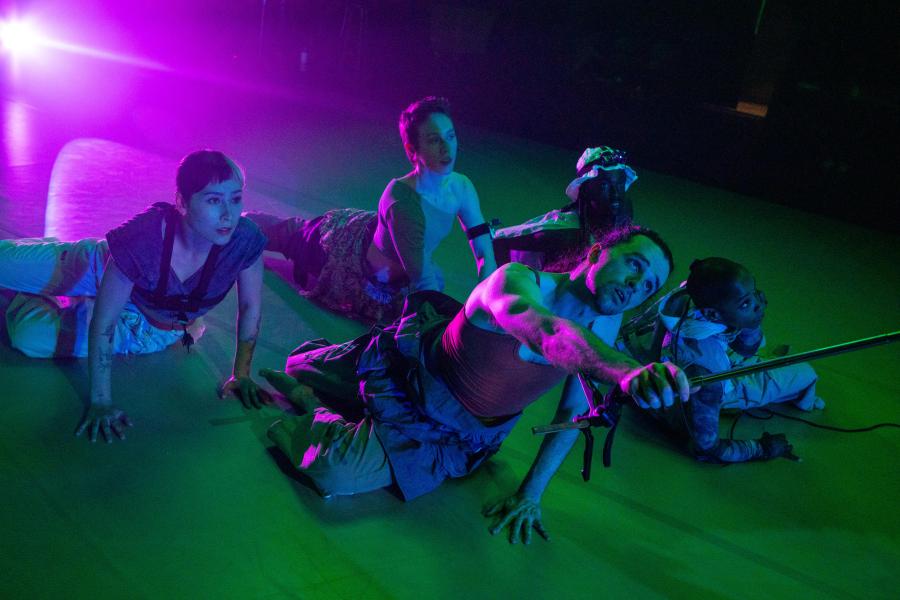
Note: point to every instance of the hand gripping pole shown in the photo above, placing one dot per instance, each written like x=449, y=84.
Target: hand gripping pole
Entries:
x=606, y=411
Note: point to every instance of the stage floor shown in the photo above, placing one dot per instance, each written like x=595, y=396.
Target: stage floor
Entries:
x=194, y=504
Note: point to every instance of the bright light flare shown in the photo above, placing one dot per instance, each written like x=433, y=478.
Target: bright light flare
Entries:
x=19, y=37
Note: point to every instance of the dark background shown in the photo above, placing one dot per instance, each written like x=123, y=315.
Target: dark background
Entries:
x=663, y=80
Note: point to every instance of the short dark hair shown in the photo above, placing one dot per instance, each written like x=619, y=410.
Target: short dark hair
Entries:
x=416, y=114
x=624, y=233
x=613, y=237
x=199, y=169
x=712, y=280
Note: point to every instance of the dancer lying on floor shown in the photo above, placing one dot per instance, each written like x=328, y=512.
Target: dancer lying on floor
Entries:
x=713, y=323
x=444, y=386
x=143, y=287
x=598, y=204
x=364, y=263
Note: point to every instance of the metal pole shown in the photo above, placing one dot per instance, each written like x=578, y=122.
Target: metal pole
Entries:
x=877, y=340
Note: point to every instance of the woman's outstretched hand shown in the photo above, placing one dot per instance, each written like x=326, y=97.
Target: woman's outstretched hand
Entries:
x=104, y=418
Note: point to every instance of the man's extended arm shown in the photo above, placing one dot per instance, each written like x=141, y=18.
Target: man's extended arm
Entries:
x=514, y=302
x=522, y=511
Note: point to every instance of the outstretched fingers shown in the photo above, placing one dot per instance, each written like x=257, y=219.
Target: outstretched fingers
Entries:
x=503, y=522
x=527, y=521
x=106, y=421
x=520, y=530
x=520, y=516
x=248, y=391
x=117, y=429
x=539, y=527
x=107, y=429
x=245, y=402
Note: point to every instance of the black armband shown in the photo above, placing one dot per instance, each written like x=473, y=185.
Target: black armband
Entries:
x=479, y=230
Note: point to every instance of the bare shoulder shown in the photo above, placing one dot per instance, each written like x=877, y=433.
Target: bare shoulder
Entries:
x=512, y=280
x=514, y=271
x=509, y=275
x=462, y=186
x=460, y=179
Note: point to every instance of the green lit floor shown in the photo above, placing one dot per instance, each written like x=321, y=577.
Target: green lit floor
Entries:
x=193, y=504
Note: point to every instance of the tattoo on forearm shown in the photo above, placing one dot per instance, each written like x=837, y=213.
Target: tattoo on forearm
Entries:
x=101, y=358
x=104, y=358
x=244, y=356
x=254, y=333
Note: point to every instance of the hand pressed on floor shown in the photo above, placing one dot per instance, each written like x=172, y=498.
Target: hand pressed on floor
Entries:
x=520, y=514
x=106, y=418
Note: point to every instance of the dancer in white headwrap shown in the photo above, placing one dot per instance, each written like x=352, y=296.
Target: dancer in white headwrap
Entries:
x=598, y=204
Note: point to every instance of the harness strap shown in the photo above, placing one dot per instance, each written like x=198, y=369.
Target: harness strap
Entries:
x=206, y=274
x=184, y=303
x=165, y=261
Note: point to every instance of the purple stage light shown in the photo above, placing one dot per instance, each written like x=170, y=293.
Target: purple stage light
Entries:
x=22, y=38
x=19, y=37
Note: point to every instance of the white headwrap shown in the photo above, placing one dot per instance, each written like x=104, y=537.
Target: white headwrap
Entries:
x=609, y=159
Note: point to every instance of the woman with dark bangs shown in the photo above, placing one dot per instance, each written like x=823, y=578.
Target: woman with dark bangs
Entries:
x=363, y=263
x=143, y=287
